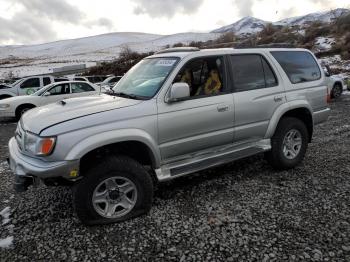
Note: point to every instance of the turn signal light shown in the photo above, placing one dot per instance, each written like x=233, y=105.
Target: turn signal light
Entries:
x=46, y=146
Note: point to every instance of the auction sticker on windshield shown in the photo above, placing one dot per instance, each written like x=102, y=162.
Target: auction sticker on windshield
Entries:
x=167, y=62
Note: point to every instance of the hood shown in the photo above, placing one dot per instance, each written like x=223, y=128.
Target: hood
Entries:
x=4, y=86
x=40, y=118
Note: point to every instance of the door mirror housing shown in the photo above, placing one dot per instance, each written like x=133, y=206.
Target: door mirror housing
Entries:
x=178, y=91
x=47, y=93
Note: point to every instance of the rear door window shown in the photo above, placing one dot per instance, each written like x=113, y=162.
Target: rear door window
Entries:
x=300, y=66
x=251, y=72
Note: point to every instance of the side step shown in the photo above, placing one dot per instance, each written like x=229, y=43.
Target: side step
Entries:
x=197, y=163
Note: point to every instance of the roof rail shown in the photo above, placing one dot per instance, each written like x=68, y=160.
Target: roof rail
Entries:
x=178, y=49
x=271, y=45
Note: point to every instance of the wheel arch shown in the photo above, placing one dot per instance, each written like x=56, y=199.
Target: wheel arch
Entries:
x=136, y=144
x=301, y=111
x=24, y=105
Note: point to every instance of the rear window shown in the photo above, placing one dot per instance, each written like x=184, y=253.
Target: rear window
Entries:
x=298, y=65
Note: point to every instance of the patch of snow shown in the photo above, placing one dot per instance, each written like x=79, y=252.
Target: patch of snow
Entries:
x=5, y=213
x=6, y=242
x=324, y=43
x=246, y=25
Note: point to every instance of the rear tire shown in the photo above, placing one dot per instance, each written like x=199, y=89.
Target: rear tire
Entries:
x=289, y=144
x=100, y=197
x=337, y=90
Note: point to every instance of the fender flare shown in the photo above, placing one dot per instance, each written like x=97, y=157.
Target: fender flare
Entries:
x=115, y=136
x=281, y=110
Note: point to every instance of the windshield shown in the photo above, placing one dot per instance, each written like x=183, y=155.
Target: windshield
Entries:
x=146, y=77
x=18, y=81
x=42, y=90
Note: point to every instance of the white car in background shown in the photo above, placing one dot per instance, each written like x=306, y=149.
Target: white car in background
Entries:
x=335, y=83
x=17, y=106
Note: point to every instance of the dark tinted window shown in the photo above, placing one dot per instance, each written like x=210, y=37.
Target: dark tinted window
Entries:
x=60, y=89
x=299, y=66
x=81, y=87
x=46, y=81
x=80, y=79
x=61, y=79
x=247, y=71
x=251, y=72
x=205, y=76
x=270, y=77
x=115, y=79
x=31, y=82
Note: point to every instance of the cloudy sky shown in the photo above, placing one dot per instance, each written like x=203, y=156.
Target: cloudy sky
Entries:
x=39, y=21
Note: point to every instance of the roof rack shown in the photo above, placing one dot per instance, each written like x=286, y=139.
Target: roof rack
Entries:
x=178, y=49
x=271, y=45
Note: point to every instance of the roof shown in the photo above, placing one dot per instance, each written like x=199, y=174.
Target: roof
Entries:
x=220, y=51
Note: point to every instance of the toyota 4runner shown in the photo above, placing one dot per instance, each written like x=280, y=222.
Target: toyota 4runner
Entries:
x=176, y=112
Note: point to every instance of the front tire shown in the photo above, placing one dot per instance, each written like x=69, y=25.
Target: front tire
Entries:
x=115, y=190
x=21, y=110
x=289, y=144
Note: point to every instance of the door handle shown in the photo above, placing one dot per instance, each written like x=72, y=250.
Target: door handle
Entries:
x=278, y=98
x=222, y=108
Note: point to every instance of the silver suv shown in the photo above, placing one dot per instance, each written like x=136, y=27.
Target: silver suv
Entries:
x=174, y=113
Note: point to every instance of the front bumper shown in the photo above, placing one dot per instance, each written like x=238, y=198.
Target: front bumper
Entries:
x=25, y=166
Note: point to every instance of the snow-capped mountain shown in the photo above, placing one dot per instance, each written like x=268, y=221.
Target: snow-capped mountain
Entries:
x=325, y=17
x=246, y=25
x=100, y=47
x=251, y=25
x=25, y=60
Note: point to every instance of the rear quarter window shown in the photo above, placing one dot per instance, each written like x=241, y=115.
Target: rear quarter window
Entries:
x=299, y=66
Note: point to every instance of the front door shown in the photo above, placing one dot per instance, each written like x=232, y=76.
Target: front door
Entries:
x=29, y=86
x=56, y=93
x=204, y=120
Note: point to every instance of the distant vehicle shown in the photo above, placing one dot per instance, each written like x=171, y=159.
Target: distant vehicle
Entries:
x=17, y=106
x=335, y=83
x=110, y=81
x=25, y=86
x=91, y=79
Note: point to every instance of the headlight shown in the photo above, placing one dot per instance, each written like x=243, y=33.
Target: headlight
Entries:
x=40, y=146
x=3, y=106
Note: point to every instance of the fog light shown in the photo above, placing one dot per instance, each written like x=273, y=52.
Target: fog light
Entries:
x=73, y=173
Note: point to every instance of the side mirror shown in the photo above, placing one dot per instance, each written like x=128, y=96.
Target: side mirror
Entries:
x=178, y=91
x=326, y=73
x=47, y=94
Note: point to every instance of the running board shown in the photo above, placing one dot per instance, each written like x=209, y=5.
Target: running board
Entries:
x=198, y=163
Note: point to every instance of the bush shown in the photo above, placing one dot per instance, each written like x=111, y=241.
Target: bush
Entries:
x=127, y=59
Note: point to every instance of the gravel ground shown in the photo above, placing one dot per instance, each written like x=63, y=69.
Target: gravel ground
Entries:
x=243, y=211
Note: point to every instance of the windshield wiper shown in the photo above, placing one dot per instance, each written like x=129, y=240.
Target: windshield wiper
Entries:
x=132, y=96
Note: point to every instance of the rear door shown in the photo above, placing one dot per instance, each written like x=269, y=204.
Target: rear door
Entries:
x=258, y=91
